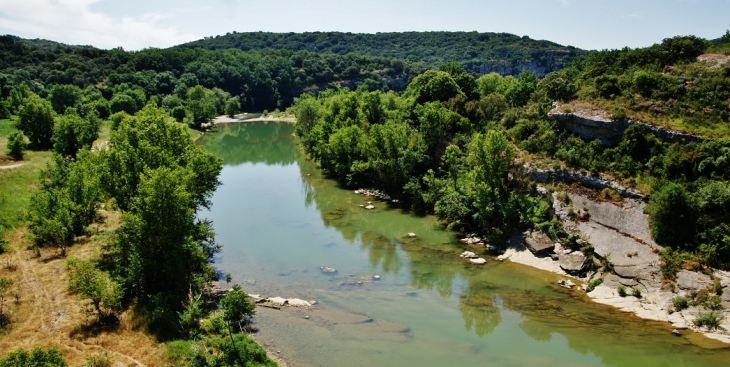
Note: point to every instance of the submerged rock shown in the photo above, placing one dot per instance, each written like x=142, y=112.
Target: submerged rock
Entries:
x=327, y=270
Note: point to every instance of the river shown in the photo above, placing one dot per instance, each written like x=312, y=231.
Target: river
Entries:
x=279, y=219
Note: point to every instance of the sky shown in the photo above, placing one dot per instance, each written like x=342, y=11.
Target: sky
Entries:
x=138, y=24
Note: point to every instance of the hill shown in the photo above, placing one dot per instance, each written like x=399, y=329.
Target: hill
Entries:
x=479, y=53
x=44, y=44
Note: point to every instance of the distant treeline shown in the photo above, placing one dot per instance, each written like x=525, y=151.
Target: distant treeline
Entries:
x=260, y=80
x=471, y=49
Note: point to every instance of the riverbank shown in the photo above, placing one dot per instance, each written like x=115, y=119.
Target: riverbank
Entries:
x=620, y=236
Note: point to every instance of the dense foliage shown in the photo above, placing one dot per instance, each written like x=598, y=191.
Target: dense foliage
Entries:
x=471, y=49
x=36, y=358
x=432, y=149
x=114, y=80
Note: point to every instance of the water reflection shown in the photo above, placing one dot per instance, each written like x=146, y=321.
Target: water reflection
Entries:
x=503, y=307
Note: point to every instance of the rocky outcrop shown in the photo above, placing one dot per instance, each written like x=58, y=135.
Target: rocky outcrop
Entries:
x=569, y=177
x=572, y=262
x=608, y=131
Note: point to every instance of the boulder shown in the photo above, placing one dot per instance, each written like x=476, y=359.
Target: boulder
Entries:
x=478, y=261
x=468, y=255
x=369, y=207
x=539, y=243
x=692, y=281
x=411, y=234
x=573, y=262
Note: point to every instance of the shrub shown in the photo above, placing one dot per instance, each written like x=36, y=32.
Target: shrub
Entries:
x=38, y=357
x=710, y=319
x=99, y=360
x=636, y=292
x=595, y=283
x=621, y=291
x=680, y=303
x=16, y=144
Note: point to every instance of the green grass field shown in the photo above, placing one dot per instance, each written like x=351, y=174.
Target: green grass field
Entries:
x=18, y=184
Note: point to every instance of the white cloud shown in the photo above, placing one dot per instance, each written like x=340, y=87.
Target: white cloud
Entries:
x=73, y=22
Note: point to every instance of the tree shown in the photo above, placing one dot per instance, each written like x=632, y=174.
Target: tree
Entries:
x=488, y=84
x=201, y=103
x=72, y=133
x=4, y=110
x=96, y=286
x=36, y=120
x=433, y=86
x=672, y=216
x=236, y=307
x=465, y=82
x=233, y=106
x=123, y=102
x=64, y=96
x=151, y=140
x=16, y=144
x=162, y=249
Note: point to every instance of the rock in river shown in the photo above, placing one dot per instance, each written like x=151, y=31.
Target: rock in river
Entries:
x=468, y=255
x=572, y=262
x=478, y=261
x=327, y=270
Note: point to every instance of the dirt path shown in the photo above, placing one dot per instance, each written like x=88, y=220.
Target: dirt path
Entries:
x=16, y=165
x=49, y=316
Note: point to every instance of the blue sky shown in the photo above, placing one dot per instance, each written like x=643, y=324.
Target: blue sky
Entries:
x=137, y=24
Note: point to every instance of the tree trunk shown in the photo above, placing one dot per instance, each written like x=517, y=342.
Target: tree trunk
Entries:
x=233, y=345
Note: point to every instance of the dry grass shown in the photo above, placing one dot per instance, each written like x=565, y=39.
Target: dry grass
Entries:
x=47, y=315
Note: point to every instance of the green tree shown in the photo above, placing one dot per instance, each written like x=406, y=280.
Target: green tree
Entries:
x=162, y=250
x=96, y=286
x=64, y=96
x=123, y=102
x=433, y=86
x=465, y=82
x=16, y=144
x=672, y=216
x=236, y=307
x=201, y=103
x=36, y=120
x=489, y=83
x=72, y=133
x=233, y=106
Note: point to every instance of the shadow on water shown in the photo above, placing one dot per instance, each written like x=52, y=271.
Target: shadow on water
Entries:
x=498, y=302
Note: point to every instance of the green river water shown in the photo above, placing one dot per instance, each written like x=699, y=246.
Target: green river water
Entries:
x=279, y=220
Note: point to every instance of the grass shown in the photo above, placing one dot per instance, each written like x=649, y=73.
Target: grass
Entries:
x=17, y=184
x=621, y=291
x=47, y=315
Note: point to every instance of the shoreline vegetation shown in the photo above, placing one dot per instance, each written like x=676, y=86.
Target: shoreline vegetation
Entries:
x=102, y=212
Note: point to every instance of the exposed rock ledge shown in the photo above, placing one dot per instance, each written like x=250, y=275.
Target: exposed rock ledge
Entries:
x=621, y=235
x=608, y=131
x=567, y=176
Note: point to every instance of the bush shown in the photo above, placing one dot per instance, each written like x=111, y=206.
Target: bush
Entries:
x=99, y=360
x=680, y=303
x=621, y=291
x=595, y=283
x=16, y=144
x=710, y=319
x=37, y=358
x=636, y=292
